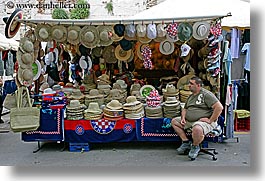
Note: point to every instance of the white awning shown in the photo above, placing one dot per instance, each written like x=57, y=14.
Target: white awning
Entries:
x=8, y=44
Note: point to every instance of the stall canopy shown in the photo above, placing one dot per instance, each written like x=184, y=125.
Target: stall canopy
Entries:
x=201, y=9
x=8, y=44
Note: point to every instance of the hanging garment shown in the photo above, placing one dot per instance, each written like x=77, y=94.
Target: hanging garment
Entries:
x=229, y=118
x=227, y=59
x=10, y=64
x=235, y=42
x=246, y=48
x=1, y=64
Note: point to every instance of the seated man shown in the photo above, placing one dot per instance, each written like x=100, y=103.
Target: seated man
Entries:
x=200, y=113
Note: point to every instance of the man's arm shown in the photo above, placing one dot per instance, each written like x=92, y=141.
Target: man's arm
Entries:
x=217, y=110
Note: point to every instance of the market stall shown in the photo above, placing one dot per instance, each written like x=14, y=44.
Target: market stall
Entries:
x=115, y=80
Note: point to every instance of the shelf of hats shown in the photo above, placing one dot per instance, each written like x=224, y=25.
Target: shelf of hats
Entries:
x=114, y=82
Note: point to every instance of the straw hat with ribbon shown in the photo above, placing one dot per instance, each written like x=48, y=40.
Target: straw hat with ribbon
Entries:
x=89, y=36
x=43, y=32
x=73, y=34
x=166, y=47
x=105, y=33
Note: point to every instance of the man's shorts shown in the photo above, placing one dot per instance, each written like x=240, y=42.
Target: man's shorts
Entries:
x=205, y=126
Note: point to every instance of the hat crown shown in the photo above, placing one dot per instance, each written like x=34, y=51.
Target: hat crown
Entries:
x=119, y=29
x=27, y=46
x=151, y=31
x=27, y=74
x=104, y=36
x=48, y=91
x=93, y=107
x=27, y=58
x=76, y=92
x=89, y=36
x=74, y=103
x=72, y=34
x=201, y=30
x=170, y=88
x=114, y=104
x=166, y=45
x=131, y=99
x=115, y=93
x=141, y=30
x=130, y=30
x=93, y=92
x=161, y=30
x=57, y=33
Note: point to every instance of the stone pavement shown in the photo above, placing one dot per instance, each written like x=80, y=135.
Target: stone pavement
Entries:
x=15, y=152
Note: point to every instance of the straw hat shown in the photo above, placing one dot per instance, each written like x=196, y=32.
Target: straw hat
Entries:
x=108, y=54
x=115, y=37
x=93, y=107
x=105, y=35
x=59, y=33
x=89, y=36
x=121, y=83
x=75, y=104
x=201, y=30
x=26, y=46
x=12, y=25
x=104, y=78
x=161, y=32
x=184, y=31
x=121, y=54
x=48, y=91
x=76, y=94
x=131, y=101
x=114, y=105
x=73, y=34
x=25, y=60
x=25, y=77
x=141, y=30
x=94, y=93
x=170, y=90
x=166, y=47
x=171, y=101
x=43, y=32
x=144, y=40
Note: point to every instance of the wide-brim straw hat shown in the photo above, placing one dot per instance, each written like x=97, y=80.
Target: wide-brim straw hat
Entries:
x=43, y=32
x=170, y=90
x=115, y=37
x=115, y=94
x=141, y=30
x=59, y=33
x=166, y=47
x=25, y=60
x=121, y=54
x=144, y=40
x=73, y=34
x=94, y=93
x=161, y=32
x=122, y=83
x=76, y=94
x=25, y=77
x=108, y=54
x=89, y=36
x=201, y=30
x=75, y=105
x=26, y=46
x=131, y=101
x=105, y=33
x=105, y=79
x=184, y=81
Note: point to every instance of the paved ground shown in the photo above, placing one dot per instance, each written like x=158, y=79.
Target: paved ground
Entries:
x=15, y=152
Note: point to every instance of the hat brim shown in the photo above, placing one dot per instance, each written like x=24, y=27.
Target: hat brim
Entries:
x=117, y=52
x=145, y=90
x=36, y=69
x=144, y=40
x=21, y=63
x=11, y=31
x=61, y=28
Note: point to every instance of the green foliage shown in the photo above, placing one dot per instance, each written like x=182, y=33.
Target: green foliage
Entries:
x=109, y=7
x=81, y=11
x=59, y=13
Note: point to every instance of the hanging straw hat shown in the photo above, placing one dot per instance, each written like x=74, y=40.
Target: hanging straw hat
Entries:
x=114, y=105
x=73, y=34
x=161, y=32
x=105, y=33
x=122, y=54
x=201, y=30
x=59, y=33
x=26, y=46
x=25, y=77
x=43, y=32
x=141, y=30
x=185, y=31
x=24, y=59
x=93, y=107
x=12, y=25
x=89, y=36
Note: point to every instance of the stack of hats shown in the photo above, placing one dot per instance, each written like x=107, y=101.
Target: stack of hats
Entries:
x=135, y=91
x=104, y=85
x=77, y=95
x=122, y=86
x=75, y=110
x=115, y=94
x=133, y=109
x=94, y=96
x=88, y=83
x=184, y=93
x=171, y=107
x=153, y=107
x=170, y=91
x=93, y=112
x=113, y=111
